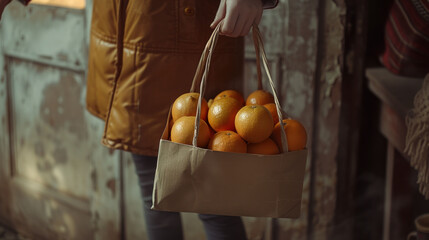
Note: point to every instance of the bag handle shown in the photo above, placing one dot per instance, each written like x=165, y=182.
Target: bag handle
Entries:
x=203, y=69
x=202, y=63
x=256, y=41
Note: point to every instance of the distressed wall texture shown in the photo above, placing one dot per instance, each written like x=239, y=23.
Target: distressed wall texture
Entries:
x=327, y=118
x=60, y=182
x=290, y=39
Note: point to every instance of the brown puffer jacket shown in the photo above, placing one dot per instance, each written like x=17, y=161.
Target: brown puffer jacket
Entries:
x=143, y=55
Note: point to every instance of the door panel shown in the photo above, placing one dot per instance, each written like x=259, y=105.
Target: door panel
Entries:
x=43, y=213
x=5, y=197
x=51, y=35
x=60, y=182
x=49, y=127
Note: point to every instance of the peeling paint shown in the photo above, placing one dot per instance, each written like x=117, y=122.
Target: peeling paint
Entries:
x=39, y=149
x=331, y=77
x=94, y=180
x=50, y=126
x=328, y=120
x=60, y=106
x=62, y=56
x=44, y=166
x=60, y=155
x=298, y=41
x=111, y=185
x=296, y=94
x=111, y=151
x=53, y=34
x=326, y=105
x=5, y=189
x=95, y=221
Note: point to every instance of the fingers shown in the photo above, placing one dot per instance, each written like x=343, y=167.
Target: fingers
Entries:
x=249, y=24
x=258, y=16
x=238, y=16
x=231, y=20
x=246, y=28
x=235, y=28
x=220, y=14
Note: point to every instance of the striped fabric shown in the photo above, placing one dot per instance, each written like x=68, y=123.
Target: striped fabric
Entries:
x=407, y=38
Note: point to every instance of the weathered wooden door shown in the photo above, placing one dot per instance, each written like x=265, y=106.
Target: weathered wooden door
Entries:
x=56, y=180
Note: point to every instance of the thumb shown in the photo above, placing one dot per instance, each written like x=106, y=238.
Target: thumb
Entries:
x=220, y=14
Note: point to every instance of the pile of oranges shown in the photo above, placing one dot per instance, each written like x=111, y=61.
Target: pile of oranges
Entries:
x=230, y=124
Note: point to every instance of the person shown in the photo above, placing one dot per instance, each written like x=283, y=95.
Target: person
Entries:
x=143, y=55
x=140, y=66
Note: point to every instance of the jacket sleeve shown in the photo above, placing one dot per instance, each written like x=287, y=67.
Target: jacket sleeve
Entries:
x=267, y=4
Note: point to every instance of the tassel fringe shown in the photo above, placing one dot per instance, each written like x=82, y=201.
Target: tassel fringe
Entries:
x=417, y=139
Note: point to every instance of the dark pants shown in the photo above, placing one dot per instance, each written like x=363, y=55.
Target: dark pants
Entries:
x=162, y=225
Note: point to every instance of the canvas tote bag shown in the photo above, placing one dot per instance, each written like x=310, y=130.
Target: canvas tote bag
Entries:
x=193, y=179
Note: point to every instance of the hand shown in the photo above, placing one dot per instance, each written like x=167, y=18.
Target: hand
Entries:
x=3, y=4
x=238, y=16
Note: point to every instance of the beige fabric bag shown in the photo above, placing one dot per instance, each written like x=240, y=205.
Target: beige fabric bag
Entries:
x=192, y=179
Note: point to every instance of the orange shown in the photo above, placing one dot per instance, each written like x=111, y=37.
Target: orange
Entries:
x=266, y=147
x=231, y=93
x=186, y=105
x=273, y=110
x=222, y=113
x=183, y=131
x=254, y=123
x=259, y=97
x=227, y=141
x=295, y=133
